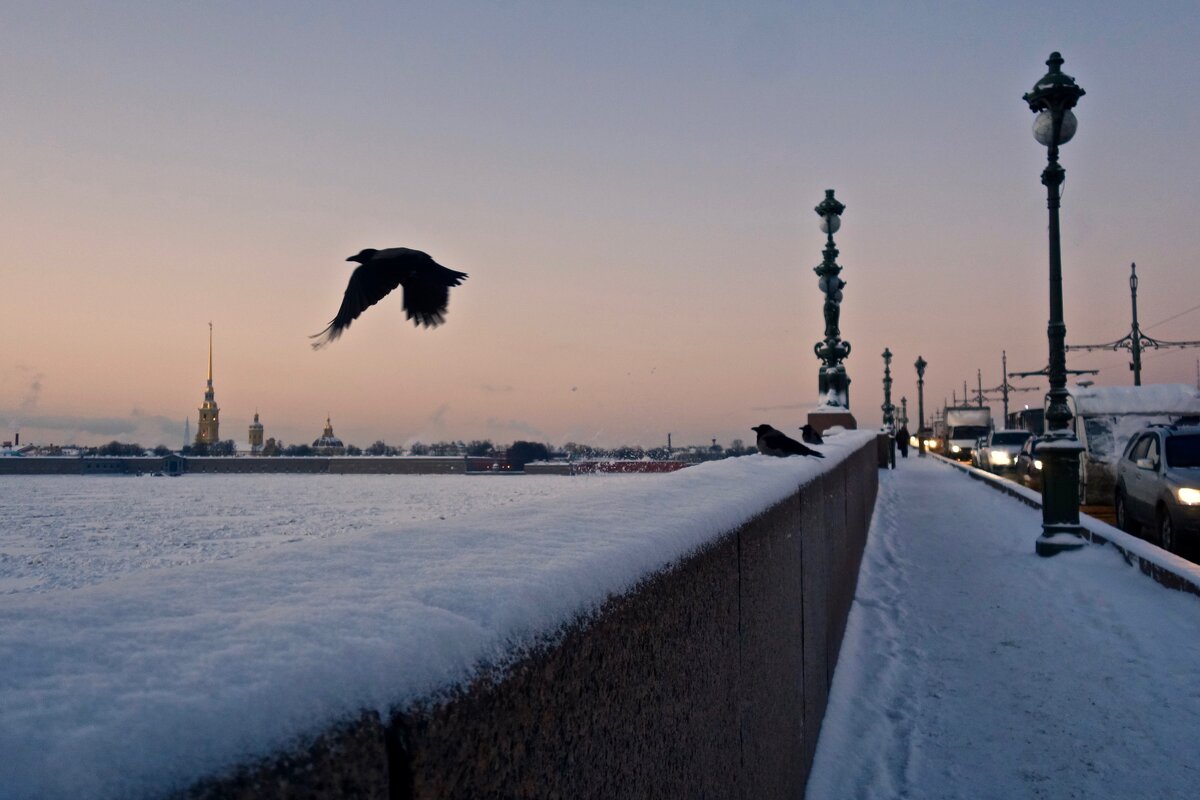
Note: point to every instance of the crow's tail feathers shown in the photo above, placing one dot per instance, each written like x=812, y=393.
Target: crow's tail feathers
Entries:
x=326, y=336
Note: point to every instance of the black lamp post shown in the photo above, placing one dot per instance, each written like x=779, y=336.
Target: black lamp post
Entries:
x=903, y=417
x=889, y=410
x=1052, y=99
x=921, y=364
x=833, y=383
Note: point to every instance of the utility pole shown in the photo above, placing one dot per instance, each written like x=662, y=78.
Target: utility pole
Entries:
x=1135, y=341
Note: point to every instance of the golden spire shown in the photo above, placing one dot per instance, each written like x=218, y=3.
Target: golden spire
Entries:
x=210, y=354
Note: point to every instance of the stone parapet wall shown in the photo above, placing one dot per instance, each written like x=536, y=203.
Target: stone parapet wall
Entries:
x=709, y=680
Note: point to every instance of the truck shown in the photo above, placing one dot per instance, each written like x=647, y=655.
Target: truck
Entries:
x=1106, y=417
x=964, y=426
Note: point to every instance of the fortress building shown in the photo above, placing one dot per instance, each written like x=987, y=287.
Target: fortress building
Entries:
x=256, y=436
x=207, y=432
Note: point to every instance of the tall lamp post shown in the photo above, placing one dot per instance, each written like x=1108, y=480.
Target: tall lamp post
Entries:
x=833, y=382
x=921, y=364
x=889, y=410
x=903, y=417
x=1052, y=99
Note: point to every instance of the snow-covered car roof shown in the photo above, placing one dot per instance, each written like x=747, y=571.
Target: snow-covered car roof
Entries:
x=1165, y=398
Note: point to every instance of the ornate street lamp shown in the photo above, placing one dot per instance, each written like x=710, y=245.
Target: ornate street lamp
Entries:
x=833, y=383
x=903, y=417
x=889, y=410
x=1052, y=99
x=921, y=364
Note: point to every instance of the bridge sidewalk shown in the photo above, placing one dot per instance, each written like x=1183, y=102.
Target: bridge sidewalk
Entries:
x=972, y=668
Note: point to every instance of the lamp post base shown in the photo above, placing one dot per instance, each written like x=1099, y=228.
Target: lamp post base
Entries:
x=825, y=419
x=1059, y=539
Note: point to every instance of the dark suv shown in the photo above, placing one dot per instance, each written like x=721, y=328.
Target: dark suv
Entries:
x=1158, y=482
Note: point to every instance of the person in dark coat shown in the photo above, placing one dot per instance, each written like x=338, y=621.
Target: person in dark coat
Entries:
x=902, y=440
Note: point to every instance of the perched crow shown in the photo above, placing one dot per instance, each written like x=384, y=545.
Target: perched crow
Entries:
x=810, y=435
x=426, y=288
x=776, y=443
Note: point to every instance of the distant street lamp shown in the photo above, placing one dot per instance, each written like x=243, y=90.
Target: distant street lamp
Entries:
x=1052, y=99
x=921, y=364
x=902, y=419
x=889, y=410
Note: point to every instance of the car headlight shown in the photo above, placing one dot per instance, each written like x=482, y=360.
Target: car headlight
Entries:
x=1189, y=497
x=955, y=448
x=999, y=458
x=1037, y=463
x=914, y=441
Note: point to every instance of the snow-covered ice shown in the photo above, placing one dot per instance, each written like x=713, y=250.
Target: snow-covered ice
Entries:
x=972, y=668
x=136, y=676
x=66, y=531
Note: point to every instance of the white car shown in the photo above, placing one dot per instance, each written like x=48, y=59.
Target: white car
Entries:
x=998, y=452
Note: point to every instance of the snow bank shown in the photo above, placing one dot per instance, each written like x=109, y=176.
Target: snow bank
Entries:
x=143, y=684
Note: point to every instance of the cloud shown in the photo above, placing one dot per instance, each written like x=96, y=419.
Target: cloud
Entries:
x=157, y=423
x=30, y=400
x=788, y=407
x=147, y=429
x=100, y=426
x=515, y=426
x=438, y=417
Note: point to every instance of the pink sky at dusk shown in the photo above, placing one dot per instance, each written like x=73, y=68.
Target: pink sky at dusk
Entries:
x=629, y=186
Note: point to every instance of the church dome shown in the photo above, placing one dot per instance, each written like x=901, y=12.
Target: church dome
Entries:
x=329, y=443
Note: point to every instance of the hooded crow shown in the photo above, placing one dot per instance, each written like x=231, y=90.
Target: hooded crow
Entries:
x=772, y=442
x=426, y=288
x=810, y=435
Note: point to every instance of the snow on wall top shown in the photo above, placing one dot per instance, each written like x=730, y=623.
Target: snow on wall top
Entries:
x=1165, y=398
x=142, y=685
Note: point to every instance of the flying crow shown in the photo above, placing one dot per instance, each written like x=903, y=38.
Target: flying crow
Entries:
x=426, y=288
x=810, y=435
x=776, y=443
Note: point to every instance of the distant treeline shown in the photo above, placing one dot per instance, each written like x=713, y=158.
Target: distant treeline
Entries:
x=517, y=454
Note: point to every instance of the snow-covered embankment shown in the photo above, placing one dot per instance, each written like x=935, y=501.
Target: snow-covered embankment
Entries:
x=666, y=630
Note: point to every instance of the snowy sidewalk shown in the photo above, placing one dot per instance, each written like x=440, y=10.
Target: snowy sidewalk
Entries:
x=972, y=668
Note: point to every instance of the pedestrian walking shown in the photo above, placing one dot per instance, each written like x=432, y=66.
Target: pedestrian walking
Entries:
x=902, y=440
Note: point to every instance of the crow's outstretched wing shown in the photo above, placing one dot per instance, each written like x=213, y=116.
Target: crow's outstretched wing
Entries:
x=427, y=293
x=369, y=284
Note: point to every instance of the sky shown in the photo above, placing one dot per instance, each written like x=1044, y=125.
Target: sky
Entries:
x=629, y=185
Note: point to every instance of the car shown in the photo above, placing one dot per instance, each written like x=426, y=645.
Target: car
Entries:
x=1158, y=483
x=1028, y=471
x=998, y=451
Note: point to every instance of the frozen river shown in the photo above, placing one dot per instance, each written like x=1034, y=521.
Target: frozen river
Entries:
x=63, y=532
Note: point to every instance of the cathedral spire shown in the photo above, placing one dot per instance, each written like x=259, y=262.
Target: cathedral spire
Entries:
x=208, y=431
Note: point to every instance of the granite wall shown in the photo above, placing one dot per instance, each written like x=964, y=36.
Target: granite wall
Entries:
x=709, y=680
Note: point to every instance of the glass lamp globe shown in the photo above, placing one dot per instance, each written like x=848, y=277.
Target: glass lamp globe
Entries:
x=831, y=223
x=1043, y=127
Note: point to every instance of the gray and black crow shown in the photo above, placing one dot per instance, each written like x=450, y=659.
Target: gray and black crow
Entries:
x=426, y=288
x=810, y=435
x=773, y=442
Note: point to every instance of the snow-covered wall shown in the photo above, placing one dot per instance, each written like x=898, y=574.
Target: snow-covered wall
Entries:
x=674, y=636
